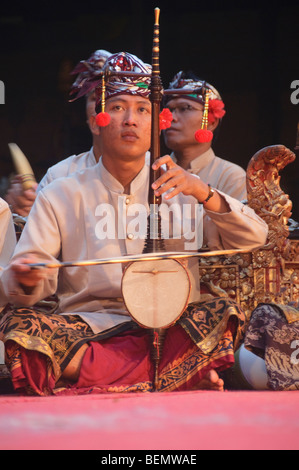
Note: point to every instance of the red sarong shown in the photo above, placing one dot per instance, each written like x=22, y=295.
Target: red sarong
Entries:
x=39, y=346
x=123, y=364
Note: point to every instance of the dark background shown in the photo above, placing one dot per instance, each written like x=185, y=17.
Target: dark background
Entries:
x=248, y=50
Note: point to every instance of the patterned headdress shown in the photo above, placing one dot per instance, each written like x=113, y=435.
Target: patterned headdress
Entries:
x=88, y=74
x=112, y=85
x=202, y=92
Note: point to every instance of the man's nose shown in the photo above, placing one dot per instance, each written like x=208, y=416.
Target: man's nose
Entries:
x=175, y=114
x=130, y=118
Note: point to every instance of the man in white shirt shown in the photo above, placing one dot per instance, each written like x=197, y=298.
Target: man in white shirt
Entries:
x=7, y=242
x=91, y=343
x=21, y=201
x=7, y=246
x=186, y=99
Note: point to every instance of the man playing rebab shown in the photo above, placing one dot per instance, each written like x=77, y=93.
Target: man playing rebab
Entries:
x=90, y=343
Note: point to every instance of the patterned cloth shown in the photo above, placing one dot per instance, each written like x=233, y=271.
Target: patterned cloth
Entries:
x=116, y=85
x=179, y=82
x=273, y=334
x=196, y=90
x=88, y=74
x=40, y=344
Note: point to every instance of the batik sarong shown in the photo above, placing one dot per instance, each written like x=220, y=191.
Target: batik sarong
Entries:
x=40, y=344
x=273, y=334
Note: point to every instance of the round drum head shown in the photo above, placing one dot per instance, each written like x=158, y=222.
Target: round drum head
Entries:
x=156, y=292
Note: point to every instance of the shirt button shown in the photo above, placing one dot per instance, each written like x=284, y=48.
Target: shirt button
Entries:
x=130, y=236
x=127, y=200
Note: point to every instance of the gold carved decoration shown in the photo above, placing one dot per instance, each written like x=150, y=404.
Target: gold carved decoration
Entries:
x=270, y=274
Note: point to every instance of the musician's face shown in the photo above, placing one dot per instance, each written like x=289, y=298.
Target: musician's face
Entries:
x=128, y=134
x=187, y=118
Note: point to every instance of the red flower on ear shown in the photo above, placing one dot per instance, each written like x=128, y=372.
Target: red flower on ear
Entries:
x=103, y=119
x=203, y=135
x=216, y=110
x=165, y=118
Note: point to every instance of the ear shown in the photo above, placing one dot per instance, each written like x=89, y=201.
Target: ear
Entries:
x=94, y=128
x=212, y=125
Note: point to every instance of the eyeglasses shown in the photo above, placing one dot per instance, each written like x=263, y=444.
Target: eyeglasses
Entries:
x=184, y=108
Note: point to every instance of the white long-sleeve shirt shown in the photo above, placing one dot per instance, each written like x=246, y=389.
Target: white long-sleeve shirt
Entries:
x=88, y=215
x=221, y=174
x=7, y=242
x=67, y=167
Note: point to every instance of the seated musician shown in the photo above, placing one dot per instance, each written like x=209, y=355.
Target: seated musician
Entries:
x=21, y=200
x=91, y=343
x=189, y=149
x=7, y=242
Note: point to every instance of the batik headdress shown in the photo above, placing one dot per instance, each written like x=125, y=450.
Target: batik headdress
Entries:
x=123, y=73
x=202, y=92
x=88, y=74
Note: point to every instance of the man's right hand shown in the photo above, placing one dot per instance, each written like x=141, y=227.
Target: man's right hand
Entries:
x=20, y=201
x=25, y=275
